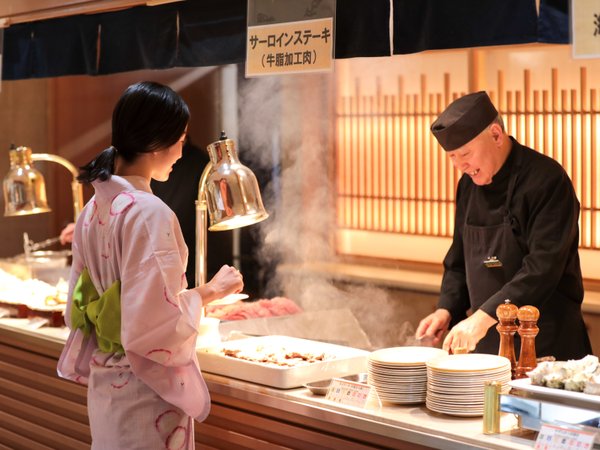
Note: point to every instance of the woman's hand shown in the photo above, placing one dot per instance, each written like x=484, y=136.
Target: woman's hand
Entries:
x=66, y=235
x=434, y=326
x=228, y=280
x=467, y=333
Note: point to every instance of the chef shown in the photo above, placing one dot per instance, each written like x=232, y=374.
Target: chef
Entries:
x=515, y=237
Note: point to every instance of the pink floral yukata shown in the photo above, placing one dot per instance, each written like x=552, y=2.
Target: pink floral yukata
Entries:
x=148, y=397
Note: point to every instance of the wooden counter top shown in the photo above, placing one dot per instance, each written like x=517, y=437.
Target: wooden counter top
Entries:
x=415, y=423
x=309, y=418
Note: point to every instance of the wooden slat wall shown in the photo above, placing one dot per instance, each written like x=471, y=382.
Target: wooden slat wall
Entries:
x=563, y=124
x=392, y=175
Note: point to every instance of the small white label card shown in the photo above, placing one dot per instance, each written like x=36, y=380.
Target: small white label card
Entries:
x=349, y=393
x=35, y=322
x=552, y=437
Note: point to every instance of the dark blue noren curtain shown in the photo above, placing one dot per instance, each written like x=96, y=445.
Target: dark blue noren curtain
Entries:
x=212, y=32
x=554, y=20
x=437, y=24
x=17, y=58
x=50, y=48
x=137, y=38
x=362, y=28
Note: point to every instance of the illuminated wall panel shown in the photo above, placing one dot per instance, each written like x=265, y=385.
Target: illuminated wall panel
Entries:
x=392, y=176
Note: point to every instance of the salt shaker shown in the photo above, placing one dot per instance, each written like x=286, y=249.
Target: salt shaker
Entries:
x=528, y=330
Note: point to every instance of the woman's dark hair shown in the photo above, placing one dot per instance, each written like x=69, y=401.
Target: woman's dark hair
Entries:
x=149, y=116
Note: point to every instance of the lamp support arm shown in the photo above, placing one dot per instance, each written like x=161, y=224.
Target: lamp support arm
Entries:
x=76, y=188
x=201, y=227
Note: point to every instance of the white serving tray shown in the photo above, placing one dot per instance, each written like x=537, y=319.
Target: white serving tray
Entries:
x=345, y=361
x=525, y=385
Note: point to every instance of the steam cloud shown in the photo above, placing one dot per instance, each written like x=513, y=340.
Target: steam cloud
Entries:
x=286, y=122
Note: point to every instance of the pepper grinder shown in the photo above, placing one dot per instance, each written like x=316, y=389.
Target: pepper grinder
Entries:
x=528, y=330
x=507, y=327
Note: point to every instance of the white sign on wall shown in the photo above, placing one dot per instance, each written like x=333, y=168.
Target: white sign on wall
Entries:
x=289, y=36
x=290, y=47
x=585, y=26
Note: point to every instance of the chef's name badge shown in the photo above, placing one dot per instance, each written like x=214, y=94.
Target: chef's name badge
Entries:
x=349, y=393
x=491, y=262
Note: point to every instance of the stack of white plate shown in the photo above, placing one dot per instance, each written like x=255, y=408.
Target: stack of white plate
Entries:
x=455, y=383
x=399, y=374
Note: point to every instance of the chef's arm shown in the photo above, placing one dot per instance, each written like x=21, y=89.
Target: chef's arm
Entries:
x=552, y=230
x=433, y=327
x=467, y=333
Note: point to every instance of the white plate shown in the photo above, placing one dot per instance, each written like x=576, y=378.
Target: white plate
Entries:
x=475, y=381
x=399, y=380
x=391, y=376
x=465, y=390
x=466, y=376
x=462, y=413
x=457, y=406
x=228, y=299
x=469, y=362
x=525, y=385
x=402, y=395
x=387, y=388
x=404, y=401
x=405, y=355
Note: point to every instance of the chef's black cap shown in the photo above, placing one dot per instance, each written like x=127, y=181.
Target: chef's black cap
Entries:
x=463, y=120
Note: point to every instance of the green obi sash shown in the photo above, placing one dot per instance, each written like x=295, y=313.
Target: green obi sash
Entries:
x=103, y=312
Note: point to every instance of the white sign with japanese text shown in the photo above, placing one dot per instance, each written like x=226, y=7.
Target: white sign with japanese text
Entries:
x=348, y=393
x=553, y=437
x=290, y=47
x=585, y=16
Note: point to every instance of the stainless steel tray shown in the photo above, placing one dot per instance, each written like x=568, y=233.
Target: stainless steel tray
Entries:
x=556, y=395
x=342, y=361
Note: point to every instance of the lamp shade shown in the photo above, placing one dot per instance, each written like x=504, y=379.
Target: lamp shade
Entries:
x=24, y=186
x=232, y=194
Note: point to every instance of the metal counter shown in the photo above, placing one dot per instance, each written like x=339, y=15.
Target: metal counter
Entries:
x=414, y=424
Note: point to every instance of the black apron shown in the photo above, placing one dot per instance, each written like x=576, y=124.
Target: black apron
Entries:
x=492, y=257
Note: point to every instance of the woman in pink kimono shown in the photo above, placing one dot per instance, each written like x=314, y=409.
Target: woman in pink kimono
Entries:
x=133, y=322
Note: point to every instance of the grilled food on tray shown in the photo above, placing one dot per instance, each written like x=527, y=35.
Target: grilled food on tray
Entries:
x=278, y=356
x=37, y=295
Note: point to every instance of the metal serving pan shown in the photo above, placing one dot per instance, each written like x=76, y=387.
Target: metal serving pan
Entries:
x=340, y=361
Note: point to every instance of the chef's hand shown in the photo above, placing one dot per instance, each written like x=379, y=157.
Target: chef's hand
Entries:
x=434, y=326
x=228, y=280
x=66, y=235
x=467, y=333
